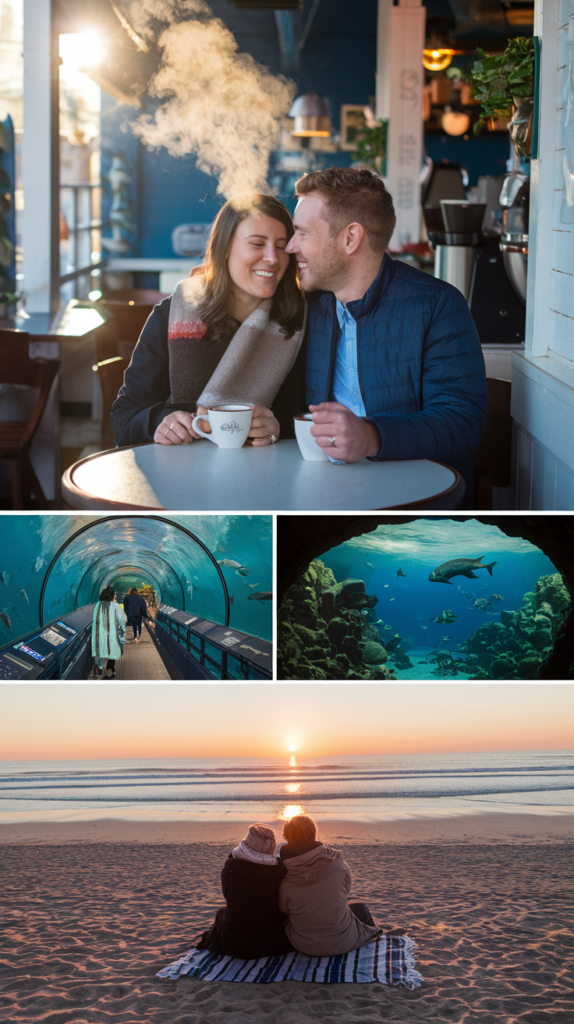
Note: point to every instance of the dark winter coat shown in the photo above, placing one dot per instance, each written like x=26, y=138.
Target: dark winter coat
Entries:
x=143, y=400
x=251, y=925
x=420, y=365
x=135, y=607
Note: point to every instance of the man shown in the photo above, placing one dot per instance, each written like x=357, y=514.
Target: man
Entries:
x=135, y=609
x=394, y=364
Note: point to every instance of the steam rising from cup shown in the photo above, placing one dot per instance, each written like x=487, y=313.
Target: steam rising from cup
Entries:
x=217, y=103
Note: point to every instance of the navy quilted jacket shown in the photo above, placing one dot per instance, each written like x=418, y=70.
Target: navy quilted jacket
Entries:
x=421, y=368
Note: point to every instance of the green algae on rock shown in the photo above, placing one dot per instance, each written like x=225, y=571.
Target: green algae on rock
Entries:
x=322, y=633
x=520, y=644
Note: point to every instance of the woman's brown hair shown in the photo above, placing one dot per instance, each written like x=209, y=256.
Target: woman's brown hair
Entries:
x=300, y=829
x=214, y=308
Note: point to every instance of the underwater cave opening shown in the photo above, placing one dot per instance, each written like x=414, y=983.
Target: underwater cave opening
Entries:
x=377, y=605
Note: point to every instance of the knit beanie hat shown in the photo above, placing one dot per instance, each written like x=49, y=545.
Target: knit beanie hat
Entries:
x=261, y=839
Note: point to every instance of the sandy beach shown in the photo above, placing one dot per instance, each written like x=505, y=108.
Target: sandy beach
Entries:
x=91, y=910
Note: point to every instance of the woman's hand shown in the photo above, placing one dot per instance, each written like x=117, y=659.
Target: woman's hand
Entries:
x=176, y=429
x=264, y=427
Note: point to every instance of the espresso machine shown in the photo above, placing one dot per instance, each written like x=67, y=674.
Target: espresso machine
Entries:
x=482, y=264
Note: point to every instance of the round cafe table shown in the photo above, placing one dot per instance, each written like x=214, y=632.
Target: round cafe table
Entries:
x=201, y=477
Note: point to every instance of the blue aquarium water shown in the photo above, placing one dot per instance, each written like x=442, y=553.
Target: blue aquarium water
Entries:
x=126, y=551
x=360, y=788
x=500, y=624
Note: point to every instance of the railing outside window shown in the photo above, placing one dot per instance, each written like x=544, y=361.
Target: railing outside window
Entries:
x=80, y=237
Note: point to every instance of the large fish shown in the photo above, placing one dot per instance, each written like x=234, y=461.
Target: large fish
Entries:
x=5, y=619
x=261, y=595
x=458, y=567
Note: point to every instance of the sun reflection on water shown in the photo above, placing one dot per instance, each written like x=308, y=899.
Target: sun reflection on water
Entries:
x=290, y=811
x=293, y=787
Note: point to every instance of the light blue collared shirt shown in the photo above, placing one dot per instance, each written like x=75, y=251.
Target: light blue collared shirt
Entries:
x=346, y=388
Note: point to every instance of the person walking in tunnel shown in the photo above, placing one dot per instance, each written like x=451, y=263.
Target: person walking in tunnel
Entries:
x=136, y=610
x=107, y=634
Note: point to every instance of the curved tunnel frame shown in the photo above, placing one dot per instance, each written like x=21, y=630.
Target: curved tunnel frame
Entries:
x=139, y=569
x=159, y=519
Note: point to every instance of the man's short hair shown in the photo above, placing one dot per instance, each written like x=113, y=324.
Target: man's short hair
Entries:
x=354, y=195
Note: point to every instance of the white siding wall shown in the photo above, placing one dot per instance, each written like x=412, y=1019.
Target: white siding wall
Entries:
x=543, y=379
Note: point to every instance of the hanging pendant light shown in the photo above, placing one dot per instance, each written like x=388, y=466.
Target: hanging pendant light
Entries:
x=312, y=113
x=438, y=58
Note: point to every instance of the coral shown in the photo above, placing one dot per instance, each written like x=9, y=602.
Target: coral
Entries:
x=519, y=645
x=374, y=653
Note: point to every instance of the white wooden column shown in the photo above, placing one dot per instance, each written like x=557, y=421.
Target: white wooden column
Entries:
x=400, y=80
x=39, y=161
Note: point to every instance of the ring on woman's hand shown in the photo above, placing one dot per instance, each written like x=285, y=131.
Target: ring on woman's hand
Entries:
x=166, y=432
x=272, y=438
x=331, y=440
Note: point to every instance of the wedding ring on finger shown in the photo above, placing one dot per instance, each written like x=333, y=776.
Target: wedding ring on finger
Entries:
x=272, y=438
x=331, y=440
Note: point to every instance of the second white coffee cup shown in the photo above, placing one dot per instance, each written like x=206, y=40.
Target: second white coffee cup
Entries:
x=229, y=425
x=308, y=446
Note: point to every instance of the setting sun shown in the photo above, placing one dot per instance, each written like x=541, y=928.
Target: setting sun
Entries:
x=292, y=747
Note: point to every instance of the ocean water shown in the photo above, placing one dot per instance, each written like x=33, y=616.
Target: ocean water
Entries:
x=125, y=551
x=395, y=562
x=351, y=788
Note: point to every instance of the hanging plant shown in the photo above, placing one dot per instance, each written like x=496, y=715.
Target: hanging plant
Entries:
x=498, y=82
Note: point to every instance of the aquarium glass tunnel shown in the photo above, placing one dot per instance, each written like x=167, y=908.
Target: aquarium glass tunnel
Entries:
x=216, y=567
x=423, y=600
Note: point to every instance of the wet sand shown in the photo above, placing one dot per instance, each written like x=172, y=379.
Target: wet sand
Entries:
x=92, y=910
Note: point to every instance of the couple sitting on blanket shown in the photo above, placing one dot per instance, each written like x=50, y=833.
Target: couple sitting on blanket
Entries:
x=296, y=901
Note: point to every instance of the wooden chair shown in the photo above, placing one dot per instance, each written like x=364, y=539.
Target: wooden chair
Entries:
x=115, y=342
x=493, y=455
x=16, y=436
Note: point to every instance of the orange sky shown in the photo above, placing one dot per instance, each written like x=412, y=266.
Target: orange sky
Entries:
x=59, y=721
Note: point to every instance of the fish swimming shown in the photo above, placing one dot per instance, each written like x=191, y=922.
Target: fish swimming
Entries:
x=230, y=563
x=391, y=599
x=497, y=597
x=26, y=598
x=5, y=578
x=38, y=564
x=482, y=604
x=252, y=585
x=261, y=595
x=458, y=567
x=401, y=573
x=445, y=618
x=6, y=619
x=370, y=565
x=385, y=586
x=242, y=571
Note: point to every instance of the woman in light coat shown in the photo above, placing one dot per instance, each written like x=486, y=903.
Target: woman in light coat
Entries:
x=314, y=895
x=107, y=634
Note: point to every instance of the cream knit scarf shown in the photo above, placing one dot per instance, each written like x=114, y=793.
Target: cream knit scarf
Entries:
x=251, y=370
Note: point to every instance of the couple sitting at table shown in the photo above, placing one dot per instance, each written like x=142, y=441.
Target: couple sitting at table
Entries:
x=296, y=901
x=283, y=315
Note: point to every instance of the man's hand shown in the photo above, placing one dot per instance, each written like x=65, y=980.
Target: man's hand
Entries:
x=355, y=438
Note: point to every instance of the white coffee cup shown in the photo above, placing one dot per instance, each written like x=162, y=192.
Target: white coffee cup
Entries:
x=307, y=444
x=229, y=424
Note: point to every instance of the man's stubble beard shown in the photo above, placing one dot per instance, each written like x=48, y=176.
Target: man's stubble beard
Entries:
x=328, y=274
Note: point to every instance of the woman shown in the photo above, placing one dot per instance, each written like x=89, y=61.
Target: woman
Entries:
x=107, y=634
x=314, y=895
x=251, y=925
x=230, y=334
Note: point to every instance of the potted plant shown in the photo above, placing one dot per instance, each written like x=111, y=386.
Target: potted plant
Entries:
x=504, y=85
x=371, y=148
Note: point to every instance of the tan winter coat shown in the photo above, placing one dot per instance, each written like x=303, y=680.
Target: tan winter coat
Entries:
x=314, y=896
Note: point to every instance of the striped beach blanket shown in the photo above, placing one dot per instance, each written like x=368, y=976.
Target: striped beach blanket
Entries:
x=389, y=959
